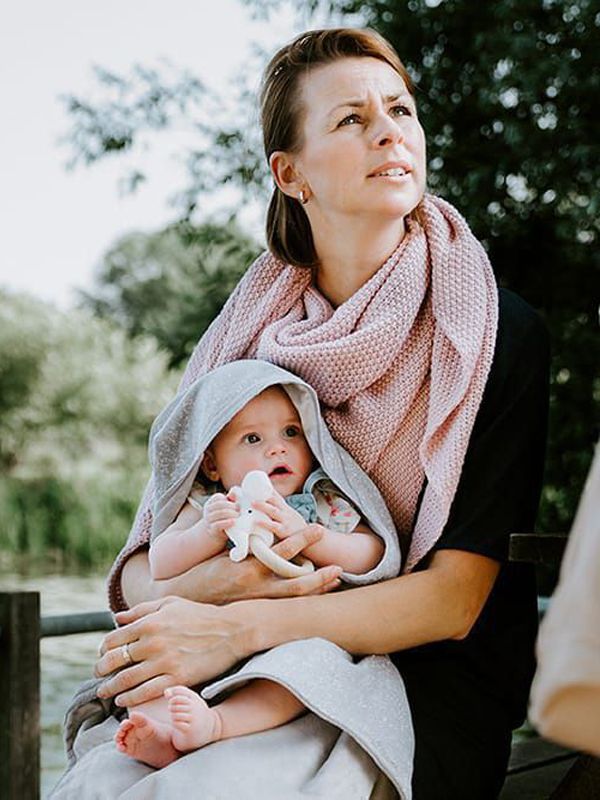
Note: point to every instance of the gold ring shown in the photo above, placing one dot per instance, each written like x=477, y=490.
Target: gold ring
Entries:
x=127, y=657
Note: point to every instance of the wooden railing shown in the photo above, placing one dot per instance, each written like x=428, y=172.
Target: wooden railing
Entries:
x=21, y=629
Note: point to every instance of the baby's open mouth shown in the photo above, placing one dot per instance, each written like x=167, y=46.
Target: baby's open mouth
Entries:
x=282, y=470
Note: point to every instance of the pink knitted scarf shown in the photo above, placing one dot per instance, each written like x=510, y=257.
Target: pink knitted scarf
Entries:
x=400, y=367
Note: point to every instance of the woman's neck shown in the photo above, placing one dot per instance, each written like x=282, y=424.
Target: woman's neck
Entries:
x=349, y=258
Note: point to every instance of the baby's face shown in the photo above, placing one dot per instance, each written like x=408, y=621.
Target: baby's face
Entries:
x=267, y=435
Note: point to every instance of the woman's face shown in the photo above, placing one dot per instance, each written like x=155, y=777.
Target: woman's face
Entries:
x=363, y=150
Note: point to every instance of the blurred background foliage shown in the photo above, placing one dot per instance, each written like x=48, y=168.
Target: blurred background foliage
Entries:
x=77, y=398
x=170, y=285
x=506, y=93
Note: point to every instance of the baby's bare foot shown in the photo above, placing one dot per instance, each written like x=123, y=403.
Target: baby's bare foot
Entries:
x=146, y=740
x=194, y=723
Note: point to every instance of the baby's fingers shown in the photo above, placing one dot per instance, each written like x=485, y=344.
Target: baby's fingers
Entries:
x=268, y=508
x=217, y=513
x=294, y=544
x=273, y=527
x=218, y=497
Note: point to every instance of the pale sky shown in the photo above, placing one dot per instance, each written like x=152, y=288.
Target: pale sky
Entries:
x=55, y=224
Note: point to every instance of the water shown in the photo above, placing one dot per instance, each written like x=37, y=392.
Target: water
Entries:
x=66, y=661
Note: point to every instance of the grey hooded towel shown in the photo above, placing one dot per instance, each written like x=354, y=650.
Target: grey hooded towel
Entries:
x=357, y=739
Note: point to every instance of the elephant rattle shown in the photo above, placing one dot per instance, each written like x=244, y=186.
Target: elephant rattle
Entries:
x=248, y=535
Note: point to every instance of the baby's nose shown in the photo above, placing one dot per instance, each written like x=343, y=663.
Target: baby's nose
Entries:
x=277, y=446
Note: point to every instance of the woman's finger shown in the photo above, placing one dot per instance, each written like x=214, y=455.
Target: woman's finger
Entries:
x=113, y=659
x=329, y=586
x=113, y=641
x=137, y=612
x=126, y=679
x=150, y=690
x=319, y=582
x=126, y=635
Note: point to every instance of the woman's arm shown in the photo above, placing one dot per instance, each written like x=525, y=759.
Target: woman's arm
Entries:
x=441, y=602
x=219, y=580
x=181, y=642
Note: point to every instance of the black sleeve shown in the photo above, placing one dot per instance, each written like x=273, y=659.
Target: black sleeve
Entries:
x=501, y=479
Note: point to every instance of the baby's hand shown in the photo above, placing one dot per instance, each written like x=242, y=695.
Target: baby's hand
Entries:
x=220, y=513
x=283, y=520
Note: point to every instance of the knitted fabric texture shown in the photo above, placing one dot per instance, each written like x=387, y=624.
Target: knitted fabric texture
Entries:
x=400, y=367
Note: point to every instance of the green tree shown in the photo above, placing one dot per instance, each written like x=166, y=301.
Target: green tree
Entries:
x=171, y=284
x=506, y=94
x=78, y=396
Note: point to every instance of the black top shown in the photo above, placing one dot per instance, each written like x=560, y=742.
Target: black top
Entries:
x=487, y=675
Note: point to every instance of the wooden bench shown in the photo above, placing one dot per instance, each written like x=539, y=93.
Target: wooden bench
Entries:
x=538, y=770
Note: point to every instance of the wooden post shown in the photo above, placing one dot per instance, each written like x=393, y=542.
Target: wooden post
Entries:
x=20, y=695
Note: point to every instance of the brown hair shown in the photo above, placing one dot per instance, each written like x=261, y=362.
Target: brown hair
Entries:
x=289, y=235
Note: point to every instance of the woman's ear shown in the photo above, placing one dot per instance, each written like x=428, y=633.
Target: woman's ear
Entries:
x=208, y=466
x=286, y=175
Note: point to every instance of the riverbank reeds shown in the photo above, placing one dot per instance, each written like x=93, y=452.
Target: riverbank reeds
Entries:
x=64, y=524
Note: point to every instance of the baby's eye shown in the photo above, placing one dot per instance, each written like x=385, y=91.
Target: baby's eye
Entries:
x=292, y=431
x=251, y=438
x=351, y=118
x=401, y=111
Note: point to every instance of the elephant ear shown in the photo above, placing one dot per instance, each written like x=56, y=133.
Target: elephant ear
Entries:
x=257, y=485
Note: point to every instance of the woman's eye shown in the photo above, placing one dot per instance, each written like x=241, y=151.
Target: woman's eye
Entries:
x=401, y=111
x=251, y=438
x=350, y=119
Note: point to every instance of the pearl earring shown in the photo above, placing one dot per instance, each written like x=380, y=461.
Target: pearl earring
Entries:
x=301, y=196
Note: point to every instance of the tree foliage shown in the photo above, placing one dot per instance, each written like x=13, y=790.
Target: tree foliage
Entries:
x=171, y=284
x=77, y=398
x=74, y=385
x=506, y=93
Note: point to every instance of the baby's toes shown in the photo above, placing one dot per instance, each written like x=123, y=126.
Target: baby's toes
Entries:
x=179, y=692
x=123, y=730
x=181, y=720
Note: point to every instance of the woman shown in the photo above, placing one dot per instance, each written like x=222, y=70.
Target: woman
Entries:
x=436, y=383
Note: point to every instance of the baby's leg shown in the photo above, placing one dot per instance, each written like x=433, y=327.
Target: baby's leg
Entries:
x=146, y=734
x=259, y=706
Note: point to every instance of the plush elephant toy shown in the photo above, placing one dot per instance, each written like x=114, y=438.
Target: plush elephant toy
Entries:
x=248, y=534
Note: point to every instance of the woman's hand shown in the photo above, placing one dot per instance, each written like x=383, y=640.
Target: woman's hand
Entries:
x=167, y=642
x=219, y=580
x=284, y=521
x=176, y=641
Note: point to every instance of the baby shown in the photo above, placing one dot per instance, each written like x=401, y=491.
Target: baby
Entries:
x=265, y=435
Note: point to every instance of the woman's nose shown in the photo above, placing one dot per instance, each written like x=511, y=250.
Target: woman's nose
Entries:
x=386, y=131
